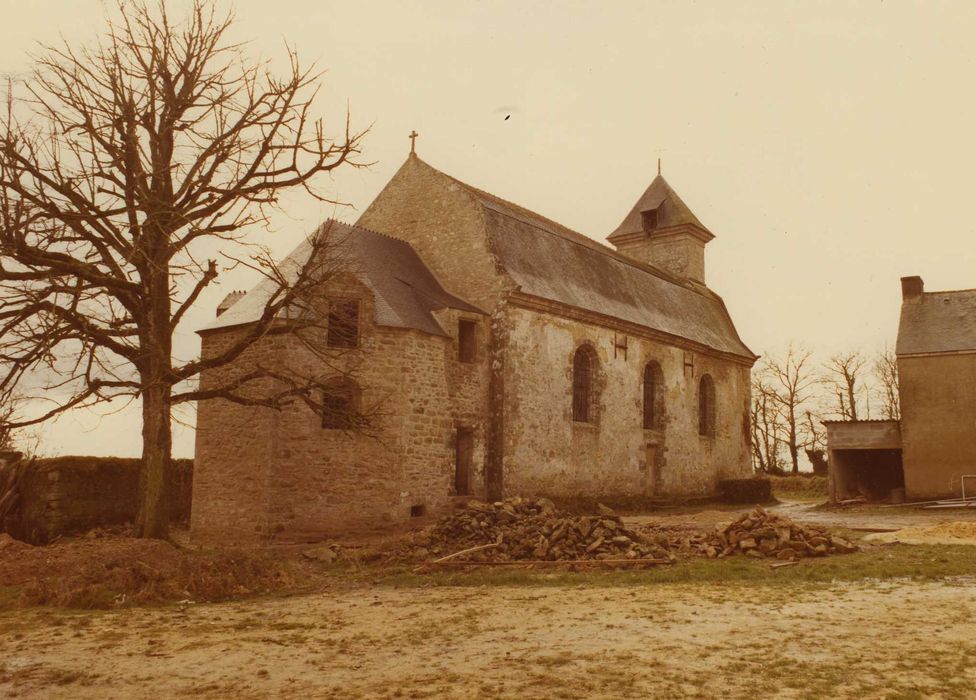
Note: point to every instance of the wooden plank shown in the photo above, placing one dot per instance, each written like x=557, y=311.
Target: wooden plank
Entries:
x=547, y=562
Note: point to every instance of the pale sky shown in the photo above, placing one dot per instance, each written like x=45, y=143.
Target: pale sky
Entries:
x=829, y=146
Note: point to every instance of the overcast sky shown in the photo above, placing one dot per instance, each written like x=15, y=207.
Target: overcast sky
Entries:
x=829, y=146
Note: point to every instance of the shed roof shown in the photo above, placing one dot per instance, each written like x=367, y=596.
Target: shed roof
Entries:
x=938, y=322
x=405, y=290
x=548, y=260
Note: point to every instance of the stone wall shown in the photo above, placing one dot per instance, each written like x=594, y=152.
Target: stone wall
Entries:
x=938, y=423
x=679, y=253
x=234, y=446
x=68, y=495
x=444, y=225
x=546, y=452
x=265, y=473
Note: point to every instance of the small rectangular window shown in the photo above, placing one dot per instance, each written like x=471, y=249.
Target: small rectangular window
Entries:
x=649, y=219
x=340, y=406
x=343, y=328
x=467, y=340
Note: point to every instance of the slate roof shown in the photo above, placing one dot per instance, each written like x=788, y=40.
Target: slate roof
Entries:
x=547, y=260
x=940, y=322
x=405, y=290
x=671, y=210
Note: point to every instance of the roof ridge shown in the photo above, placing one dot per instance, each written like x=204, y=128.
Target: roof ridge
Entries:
x=366, y=229
x=952, y=291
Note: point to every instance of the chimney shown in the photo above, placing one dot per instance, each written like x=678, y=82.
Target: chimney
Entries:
x=912, y=288
x=229, y=301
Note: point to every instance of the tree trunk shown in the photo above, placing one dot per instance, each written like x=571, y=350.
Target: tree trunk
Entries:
x=155, y=475
x=157, y=390
x=850, y=398
x=794, y=449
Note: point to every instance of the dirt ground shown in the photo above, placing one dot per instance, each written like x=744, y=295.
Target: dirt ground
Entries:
x=854, y=518
x=845, y=641
x=805, y=638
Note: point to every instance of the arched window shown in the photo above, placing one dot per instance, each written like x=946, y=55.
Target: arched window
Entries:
x=653, y=396
x=584, y=374
x=706, y=406
x=341, y=405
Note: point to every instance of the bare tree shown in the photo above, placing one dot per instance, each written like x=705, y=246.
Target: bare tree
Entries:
x=767, y=425
x=886, y=373
x=792, y=381
x=126, y=170
x=843, y=372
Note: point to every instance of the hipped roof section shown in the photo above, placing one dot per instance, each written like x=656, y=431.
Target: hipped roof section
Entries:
x=938, y=323
x=406, y=291
x=550, y=261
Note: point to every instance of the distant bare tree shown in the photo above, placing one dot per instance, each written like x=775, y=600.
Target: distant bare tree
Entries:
x=886, y=373
x=816, y=444
x=125, y=171
x=843, y=372
x=792, y=381
x=767, y=425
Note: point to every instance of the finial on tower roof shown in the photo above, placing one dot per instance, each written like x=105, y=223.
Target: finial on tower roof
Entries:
x=658, y=166
x=413, y=141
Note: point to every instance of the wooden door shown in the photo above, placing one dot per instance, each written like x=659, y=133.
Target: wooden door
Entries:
x=651, y=468
x=463, y=461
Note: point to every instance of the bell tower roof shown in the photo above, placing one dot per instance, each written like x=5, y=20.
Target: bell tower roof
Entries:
x=659, y=207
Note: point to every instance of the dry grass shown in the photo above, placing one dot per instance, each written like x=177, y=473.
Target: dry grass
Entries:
x=118, y=571
x=800, y=488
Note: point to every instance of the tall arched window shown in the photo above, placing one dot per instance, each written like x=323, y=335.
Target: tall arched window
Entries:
x=653, y=396
x=706, y=406
x=584, y=374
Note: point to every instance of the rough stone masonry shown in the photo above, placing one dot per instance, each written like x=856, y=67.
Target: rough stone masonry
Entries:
x=511, y=356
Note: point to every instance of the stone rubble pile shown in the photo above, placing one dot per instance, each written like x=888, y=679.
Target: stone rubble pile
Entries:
x=766, y=535
x=524, y=529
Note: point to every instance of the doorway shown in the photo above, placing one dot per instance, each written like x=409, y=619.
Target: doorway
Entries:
x=463, y=461
x=650, y=462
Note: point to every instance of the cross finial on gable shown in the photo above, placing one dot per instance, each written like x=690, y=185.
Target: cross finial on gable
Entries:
x=413, y=141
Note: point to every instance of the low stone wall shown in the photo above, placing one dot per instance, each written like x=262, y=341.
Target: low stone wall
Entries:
x=67, y=495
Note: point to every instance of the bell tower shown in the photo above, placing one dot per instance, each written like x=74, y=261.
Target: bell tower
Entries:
x=660, y=230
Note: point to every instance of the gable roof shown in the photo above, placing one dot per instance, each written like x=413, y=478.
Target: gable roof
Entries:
x=938, y=322
x=548, y=260
x=405, y=290
x=671, y=210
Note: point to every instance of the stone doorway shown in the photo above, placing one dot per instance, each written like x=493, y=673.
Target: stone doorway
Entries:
x=463, y=461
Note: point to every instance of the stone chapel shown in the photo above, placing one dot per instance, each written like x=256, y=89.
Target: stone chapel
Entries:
x=512, y=356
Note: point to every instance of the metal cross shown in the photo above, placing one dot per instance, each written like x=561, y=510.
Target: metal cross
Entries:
x=413, y=141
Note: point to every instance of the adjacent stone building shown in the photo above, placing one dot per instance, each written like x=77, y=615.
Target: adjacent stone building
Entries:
x=936, y=353
x=512, y=356
x=927, y=453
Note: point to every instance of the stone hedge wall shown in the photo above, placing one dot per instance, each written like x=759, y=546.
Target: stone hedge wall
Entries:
x=68, y=495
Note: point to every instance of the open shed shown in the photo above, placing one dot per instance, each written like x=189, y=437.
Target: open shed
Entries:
x=864, y=460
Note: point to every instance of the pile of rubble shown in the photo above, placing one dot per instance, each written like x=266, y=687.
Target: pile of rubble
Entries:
x=522, y=529
x=766, y=535
x=533, y=530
